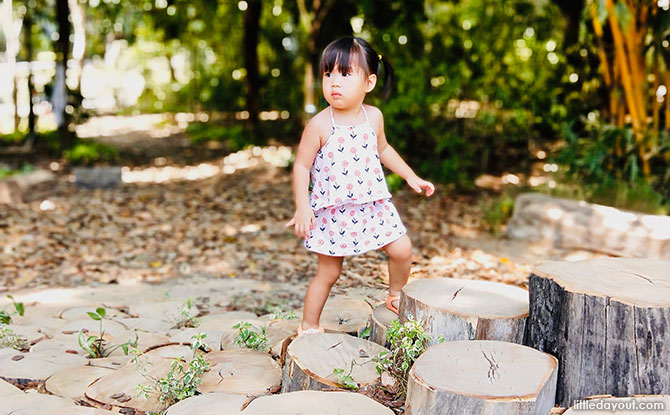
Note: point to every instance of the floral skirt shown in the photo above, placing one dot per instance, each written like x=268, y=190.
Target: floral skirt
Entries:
x=352, y=229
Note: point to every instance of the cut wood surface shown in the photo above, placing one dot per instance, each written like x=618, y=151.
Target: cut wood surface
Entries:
x=33, y=403
x=244, y=372
x=119, y=388
x=222, y=321
x=310, y=361
x=58, y=347
x=27, y=370
x=316, y=402
x=217, y=403
x=607, y=405
x=608, y=322
x=31, y=333
x=466, y=309
x=170, y=351
x=481, y=377
x=343, y=314
x=275, y=338
x=71, y=383
x=380, y=320
x=112, y=362
x=81, y=312
x=7, y=388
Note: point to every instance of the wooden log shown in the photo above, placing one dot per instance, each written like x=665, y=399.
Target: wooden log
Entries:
x=217, y=403
x=29, y=370
x=310, y=361
x=7, y=388
x=634, y=405
x=380, y=320
x=343, y=314
x=466, y=309
x=481, y=377
x=71, y=383
x=243, y=372
x=311, y=402
x=33, y=403
x=608, y=322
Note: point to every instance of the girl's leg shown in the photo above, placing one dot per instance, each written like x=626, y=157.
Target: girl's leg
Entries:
x=328, y=272
x=400, y=262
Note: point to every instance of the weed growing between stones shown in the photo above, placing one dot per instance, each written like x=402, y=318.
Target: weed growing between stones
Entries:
x=251, y=337
x=95, y=346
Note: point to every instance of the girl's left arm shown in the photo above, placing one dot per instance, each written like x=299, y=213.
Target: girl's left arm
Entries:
x=392, y=160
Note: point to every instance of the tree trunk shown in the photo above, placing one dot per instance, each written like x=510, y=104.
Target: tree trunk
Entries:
x=28, y=45
x=60, y=92
x=316, y=402
x=380, y=320
x=11, y=29
x=252, y=18
x=607, y=321
x=481, y=378
x=466, y=309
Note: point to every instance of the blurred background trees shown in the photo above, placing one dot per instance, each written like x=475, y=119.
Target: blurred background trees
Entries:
x=578, y=86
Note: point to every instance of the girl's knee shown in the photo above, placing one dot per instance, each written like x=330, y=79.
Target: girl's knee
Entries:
x=328, y=275
x=400, y=249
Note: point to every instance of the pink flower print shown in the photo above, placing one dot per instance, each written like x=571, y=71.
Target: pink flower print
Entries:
x=367, y=160
x=388, y=234
x=324, y=221
x=343, y=246
x=332, y=211
x=377, y=171
x=320, y=183
x=338, y=201
x=340, y=140
x=353, y=150
x=380, y=214
x=365, y=221
x=343, y=224
x=332, y=178
x=370, y=183
x=372, y=229
x=321, y=242
x=352, y=213
x=387, y=207
x=360, y=195
x=380, y=201
x=330, y=154
x=331, y=233
x=365, y=136
x=372, y=209
x=326, y=169
x=367, y=242
x=345, y=163
x=374, y=147
x=350, y=186
x=353, y=234
x=357, y=173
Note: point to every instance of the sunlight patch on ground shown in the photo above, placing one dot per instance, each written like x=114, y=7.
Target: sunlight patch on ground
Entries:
x=250, y=157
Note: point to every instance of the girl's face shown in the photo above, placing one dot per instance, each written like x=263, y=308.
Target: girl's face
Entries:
x=347, y=90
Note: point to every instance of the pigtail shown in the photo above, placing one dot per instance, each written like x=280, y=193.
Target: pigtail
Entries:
x=389, y=77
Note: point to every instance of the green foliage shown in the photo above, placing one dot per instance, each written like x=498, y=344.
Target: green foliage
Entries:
x=276, y=313
x=85, y=153
x=8, y=338
x=14, y=138
x=26, y=168
x=345, y=381
x=365, y=334
x=5, y=317
x=234, y=136
x=394, y=182
x=408, y=342
x=185, y=317
x=95, y=346
x=179, y=383
x=497, y=211
x=251, y=337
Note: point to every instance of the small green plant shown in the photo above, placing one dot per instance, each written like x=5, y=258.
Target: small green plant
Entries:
x=85, y=153
x=7, y=172
x=408, y=342
x=185, y=317
x=179, y=383
x=365, y=334
x=8, y=338
x=251, y=337
x=345, y=381
x=5, y=317
x=276, y=313
x=95, y=346
x=496, y=212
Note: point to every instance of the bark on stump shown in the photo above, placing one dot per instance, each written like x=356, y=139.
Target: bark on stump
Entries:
x=607, y=320
x=466, y=309
x=481, y=377
x=380, y=320
x=310, y=361
x=316, y=402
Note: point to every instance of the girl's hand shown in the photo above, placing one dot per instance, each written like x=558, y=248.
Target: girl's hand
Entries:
x=418, y=184
x=304, y=222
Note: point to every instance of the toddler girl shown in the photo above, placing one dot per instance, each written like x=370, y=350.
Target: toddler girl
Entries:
x=349, y=210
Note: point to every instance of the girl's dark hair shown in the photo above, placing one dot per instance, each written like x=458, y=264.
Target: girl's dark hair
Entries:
x=342, y=51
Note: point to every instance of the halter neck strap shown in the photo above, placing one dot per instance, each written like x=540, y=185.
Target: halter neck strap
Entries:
x=332, y=119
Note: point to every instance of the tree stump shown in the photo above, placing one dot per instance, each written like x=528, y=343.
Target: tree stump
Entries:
x=243, y=372
x=72, y=383
x=310, y=361
x=608, y=322
x=41, y=404
x=602, y=405
x=217, y=403
x=29, y=370
x=7, y=388
x=466, y=309
x=481, y=377
x=310, y=402
x=345, y=315
x=380, y=320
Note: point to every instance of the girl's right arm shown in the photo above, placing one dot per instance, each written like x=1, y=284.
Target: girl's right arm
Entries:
x=310, y=142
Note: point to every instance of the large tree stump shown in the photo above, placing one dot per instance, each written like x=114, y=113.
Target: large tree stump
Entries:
x=316, y=402
x=481, y=377
x=217, y=403
x=41, y=404
x=343, y=314
x=71, y=383
x=466, y=309
x=310, y=361
x=244, y=372
x=608, y=322
x=604, y=405
x=29, y=370
x=380, y=320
